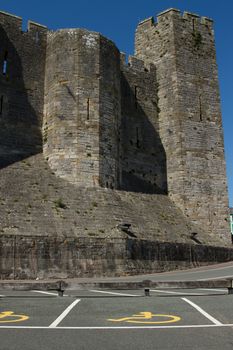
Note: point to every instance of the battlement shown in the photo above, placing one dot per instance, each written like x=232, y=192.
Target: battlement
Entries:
x=174, y=13
x=9, y=20
x=12, y=20
x=33, y=26
x=135, y=63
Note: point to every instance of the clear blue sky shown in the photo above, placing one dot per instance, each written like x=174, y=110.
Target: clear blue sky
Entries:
x=117, y=20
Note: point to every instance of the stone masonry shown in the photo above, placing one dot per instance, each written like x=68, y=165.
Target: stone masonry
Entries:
x=182, y=48
x=93, y=140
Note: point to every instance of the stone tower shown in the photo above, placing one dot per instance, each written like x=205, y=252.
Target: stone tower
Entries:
x=22, y=73
x=183, y=51
x=82, y=107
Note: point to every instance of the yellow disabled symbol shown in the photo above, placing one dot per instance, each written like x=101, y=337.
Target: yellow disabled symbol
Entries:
x=148, y=318
x=10, y=316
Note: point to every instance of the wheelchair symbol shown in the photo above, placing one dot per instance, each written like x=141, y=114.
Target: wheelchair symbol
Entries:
x=144, y=317
x=10, y=316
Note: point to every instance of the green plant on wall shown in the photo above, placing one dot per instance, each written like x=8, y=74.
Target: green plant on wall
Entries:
x=60, y=204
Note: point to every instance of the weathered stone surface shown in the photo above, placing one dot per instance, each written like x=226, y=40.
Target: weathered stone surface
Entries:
x=24, y=257
x=135, y=145
x=182, y=49
x=34, y=201
x=22, y=73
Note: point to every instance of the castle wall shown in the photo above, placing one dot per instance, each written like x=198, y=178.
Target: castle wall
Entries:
x=81, y=107
x=143, y=161
x=22, y=61
x=109, y=113
x=182, y=48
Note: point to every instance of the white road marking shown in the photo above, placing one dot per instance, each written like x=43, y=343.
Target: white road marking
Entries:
x=114, y=293
x=213, y=289
x=43, y=292
x=215, y=278
x=64, y=314
x=122, y=327
x=1, y=295
x=204, y=313
x=179, y=293
x=198, y=270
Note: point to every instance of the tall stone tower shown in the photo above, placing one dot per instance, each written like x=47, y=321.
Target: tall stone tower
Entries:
x=22, y=58
x=82, y=107
x=183, y=51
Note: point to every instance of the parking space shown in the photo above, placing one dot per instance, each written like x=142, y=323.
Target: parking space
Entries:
x=31, y=311
x=93, y=311
x=114, y=319
x=100, y=320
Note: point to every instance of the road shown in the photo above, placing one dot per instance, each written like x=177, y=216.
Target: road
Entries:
x=98, y=319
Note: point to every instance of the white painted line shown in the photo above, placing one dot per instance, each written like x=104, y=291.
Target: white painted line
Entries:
x=121, y=327
x=215, y=278
x=178, y=293
x=204, y=313
x=42, y=292
x=48, y=293
x=199, y=270
x=114, y=293
x=1, y=295
x=213, y=289
x=64, y=314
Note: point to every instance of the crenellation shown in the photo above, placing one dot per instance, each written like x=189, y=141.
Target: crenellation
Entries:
x=136, y=63
x=11, y=20
x=147, y=22
x=33, y=26
x=191, y=16
x=167, y=16
x=169, y=11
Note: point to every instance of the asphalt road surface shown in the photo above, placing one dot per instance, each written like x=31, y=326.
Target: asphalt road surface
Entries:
x=99, y=319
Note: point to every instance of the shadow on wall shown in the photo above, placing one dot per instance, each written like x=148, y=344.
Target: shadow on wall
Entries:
x=20, y=127
x=142, y=156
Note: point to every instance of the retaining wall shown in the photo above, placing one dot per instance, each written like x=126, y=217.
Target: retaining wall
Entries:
x=24, y=257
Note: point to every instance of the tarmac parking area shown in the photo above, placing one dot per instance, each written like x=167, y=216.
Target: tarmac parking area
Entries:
x=200, y=319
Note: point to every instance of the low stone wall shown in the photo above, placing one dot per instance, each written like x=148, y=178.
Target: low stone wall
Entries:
x=23, y=257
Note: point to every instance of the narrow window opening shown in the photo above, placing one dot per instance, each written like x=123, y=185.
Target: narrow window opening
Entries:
x=200, y=109
x=88, y=109
x=136, y=96
x=37, y=37
x=107, y=184
x=5, y=63
x=1, y=105
x=193, y=21
x=137, y=138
